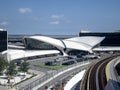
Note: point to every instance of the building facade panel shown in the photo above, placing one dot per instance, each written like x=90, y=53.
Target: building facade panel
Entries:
x=3, y=41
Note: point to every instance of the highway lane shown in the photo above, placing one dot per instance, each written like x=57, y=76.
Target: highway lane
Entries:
x=62, y=76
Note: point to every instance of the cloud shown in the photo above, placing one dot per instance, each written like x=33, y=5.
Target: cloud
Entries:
x=24, y=10
x=57, y=16
x=4, y=23
x=59, y=19
x=55, y=22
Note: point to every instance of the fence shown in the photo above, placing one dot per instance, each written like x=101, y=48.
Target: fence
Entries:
x=50, y=76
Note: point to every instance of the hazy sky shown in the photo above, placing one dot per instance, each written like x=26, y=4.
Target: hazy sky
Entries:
x=59, y=16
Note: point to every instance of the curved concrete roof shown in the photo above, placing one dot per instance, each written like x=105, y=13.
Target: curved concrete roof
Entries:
x=88, y=40
x=52, y=41
x=76, y=45
x=85, y=43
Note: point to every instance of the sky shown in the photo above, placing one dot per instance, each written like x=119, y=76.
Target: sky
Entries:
x=59, y=17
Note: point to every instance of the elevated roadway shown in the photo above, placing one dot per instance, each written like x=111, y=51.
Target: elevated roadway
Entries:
x=113, y=80
x=95, y=78
x=61, y=76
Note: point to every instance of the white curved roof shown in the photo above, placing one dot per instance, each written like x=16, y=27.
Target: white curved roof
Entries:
x=52, y=41
x=76, y=45
x=81, y=43
x=12, y=54
x=88, y=40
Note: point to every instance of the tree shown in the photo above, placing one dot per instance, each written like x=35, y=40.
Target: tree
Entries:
x=3, y=64
x=12, y=69
x=24, y=66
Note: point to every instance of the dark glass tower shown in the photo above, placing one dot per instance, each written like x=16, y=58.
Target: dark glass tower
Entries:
x=3, y=41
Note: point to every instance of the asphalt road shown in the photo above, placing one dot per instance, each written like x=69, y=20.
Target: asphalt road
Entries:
x=62, y=77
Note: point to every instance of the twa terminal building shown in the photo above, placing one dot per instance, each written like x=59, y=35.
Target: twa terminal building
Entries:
x=85, y=43
x=42, y=46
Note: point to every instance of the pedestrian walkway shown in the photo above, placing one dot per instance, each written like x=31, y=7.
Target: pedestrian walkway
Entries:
x=37, y=73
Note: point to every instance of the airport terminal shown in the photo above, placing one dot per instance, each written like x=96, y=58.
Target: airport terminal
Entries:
x=42, y=45
x=70, y=50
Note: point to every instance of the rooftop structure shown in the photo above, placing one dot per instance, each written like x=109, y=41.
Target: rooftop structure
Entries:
x=63, y=44
x=77, y=43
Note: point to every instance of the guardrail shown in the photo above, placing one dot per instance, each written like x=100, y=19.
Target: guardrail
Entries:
x=115, y=71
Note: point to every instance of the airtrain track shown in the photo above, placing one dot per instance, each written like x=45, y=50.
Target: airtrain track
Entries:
x=95, y=78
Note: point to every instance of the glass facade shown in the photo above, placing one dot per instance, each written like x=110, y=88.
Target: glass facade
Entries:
x=38, y=45
x=3, y=41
